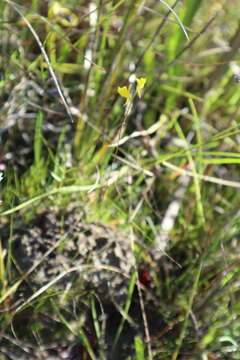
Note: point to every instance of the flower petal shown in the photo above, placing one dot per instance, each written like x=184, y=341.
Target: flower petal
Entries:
x=125, y=92
x=140, y=85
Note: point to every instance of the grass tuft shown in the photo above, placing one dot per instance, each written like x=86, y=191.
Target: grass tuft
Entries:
x=126, y=112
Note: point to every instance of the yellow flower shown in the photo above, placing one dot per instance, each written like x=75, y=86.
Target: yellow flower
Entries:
x=125, y=92
x=140, y=85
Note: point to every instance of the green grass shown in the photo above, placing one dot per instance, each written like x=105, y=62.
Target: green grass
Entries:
x=58, y=152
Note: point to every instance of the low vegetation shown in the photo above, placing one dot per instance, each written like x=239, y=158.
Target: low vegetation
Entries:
x=127, y=111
